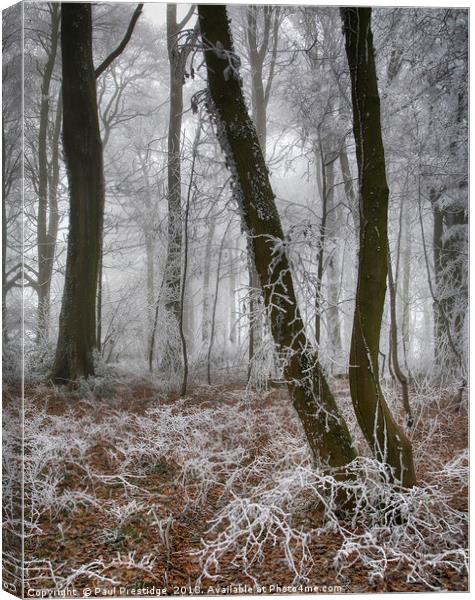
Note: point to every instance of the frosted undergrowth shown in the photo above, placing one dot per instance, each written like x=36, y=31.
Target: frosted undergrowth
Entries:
x=250, y=454
x=416, y=530
x=39, y=573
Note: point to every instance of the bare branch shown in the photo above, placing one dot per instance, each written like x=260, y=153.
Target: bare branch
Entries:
x=120, y=48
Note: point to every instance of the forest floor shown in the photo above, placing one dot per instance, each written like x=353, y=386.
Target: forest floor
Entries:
x=129, y=489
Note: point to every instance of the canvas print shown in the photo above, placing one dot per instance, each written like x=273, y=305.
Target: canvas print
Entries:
x=235, y=299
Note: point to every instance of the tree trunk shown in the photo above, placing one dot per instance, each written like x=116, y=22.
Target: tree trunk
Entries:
x=53, y=218
x=260, y=94
x=443, y=335
x=255, y=319
x=386, y=439
x=348, y=185
x=324, y=426
x=181, y=321
x=206, y=315
x=177, y=55
x=232, y=298
x=83, y=155
x=45, y=256
x=4, y=238
x=256, y=62
x=173, y=261
x=100, y=290
x=451, y=296
x=105, y=64
x=150, y=265
x=333, y=269
x=189, y=318
x=215, y=304
x=149, y=234
x=400, y=376
x=405, y=292
x=438, y=248
x=320, y=159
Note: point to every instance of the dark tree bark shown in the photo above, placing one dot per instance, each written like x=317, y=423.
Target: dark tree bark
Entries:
x=386, y=439
x=348, y=185
x=83, y=155
x=324, y=426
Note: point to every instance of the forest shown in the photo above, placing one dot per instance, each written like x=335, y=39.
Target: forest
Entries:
x=234, y=299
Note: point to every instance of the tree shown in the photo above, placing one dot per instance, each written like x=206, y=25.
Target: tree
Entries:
x=48, y=217
x=42, y=116
x=177, y=56
x=324, y=426
x=393, y=342
x=83, y=156
x=84, y=160
x=425, y=116
x=321, y=112
x=12, y=217
x=386, y=439
x=257, y=54
x=111, y=116
x=257, y=51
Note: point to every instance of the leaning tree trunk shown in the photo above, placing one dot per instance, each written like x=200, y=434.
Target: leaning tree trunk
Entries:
x=387, y=440
x=324, y=426
x=83, y=155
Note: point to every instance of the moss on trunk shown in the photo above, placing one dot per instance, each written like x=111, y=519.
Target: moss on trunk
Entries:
x=386, y=439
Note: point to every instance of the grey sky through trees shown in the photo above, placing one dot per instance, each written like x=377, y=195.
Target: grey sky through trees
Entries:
x=157, y=11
